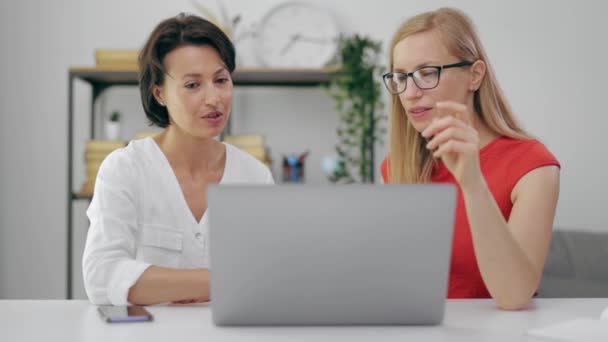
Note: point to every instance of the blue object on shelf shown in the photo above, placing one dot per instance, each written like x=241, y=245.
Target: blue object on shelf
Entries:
x=293, y=168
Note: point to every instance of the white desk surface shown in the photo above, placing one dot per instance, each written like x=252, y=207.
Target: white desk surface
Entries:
x=465, y=320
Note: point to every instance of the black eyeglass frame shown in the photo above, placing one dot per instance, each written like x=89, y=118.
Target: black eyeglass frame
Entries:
x=439, y=68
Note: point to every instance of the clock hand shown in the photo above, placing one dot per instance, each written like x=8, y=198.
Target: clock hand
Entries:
x=287, y=46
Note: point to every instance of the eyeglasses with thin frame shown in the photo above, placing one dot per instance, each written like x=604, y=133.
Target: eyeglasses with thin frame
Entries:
x=426, y=77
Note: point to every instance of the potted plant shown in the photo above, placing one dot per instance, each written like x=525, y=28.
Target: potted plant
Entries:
x=356, y=90
x=112, y=127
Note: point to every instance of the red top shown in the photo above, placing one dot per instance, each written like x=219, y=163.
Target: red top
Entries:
x=503, y=162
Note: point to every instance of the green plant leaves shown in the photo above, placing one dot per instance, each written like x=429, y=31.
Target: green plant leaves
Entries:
x=355, y=89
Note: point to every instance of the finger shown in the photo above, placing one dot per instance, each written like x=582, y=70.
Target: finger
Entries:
x=455, y=109
x=453, y=146
x=439, y=125
x=451, y=133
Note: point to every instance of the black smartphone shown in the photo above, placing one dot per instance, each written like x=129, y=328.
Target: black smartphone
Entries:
x=120, y=314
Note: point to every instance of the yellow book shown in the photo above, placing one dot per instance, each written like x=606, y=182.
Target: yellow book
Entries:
x=95, y=158
x=87, y=188
x=92, y=176
x=245, y=140
x=96, y=146
x=258, y=152
x=117, y=57
x=92, y=173
x=145, y=134
x=94, y=166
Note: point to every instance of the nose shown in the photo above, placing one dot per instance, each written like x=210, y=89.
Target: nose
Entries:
x=212, y=96
x=411, y=90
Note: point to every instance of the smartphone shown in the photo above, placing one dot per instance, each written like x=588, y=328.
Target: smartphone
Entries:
x=119, y=314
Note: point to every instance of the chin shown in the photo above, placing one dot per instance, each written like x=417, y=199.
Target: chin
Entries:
x=208, y=131
x=205, y=134
x=420, y=126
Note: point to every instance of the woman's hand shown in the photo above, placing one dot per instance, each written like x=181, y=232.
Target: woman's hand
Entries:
x=170, y=285
x=456, y=142
x=191, y=301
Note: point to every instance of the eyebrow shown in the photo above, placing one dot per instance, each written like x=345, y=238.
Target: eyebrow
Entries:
x=198, y=75
x=418, y=66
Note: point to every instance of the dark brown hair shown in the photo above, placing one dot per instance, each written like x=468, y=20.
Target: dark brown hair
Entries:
x=167, y=36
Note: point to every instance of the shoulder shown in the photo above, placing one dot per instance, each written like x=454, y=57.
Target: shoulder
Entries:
x=123, y=162
x=504, y=147
x=242, y=167
x=512, y=159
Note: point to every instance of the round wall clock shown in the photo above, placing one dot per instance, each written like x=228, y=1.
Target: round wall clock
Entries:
x=298, y=35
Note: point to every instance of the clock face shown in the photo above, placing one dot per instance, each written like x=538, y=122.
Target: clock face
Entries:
x=297, y=35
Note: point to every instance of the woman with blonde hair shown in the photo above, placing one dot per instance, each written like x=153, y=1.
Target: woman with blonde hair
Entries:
x=451, y=123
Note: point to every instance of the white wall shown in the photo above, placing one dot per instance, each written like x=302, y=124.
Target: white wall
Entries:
x=549, y=56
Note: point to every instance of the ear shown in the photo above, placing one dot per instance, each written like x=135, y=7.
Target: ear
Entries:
x=157, y=91
x=478, y=71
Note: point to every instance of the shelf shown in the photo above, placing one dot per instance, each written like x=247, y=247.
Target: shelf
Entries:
x=81, y=196
x=241, y=76
x=101, y=79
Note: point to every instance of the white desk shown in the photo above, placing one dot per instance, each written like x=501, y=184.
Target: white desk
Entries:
x=465, y=320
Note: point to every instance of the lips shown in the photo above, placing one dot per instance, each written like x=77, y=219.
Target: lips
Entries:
x=419, y=111
x=214, y=118
x=212, y=115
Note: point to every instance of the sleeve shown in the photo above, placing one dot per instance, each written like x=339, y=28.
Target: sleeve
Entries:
x=268, y=178
x=384, y=170
x=108, y=264
x=244, y=168
x=533, y=156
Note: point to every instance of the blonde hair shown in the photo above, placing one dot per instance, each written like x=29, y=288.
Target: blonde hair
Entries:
x=410, y=161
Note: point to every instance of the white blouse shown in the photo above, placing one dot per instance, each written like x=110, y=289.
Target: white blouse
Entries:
x=139, y=217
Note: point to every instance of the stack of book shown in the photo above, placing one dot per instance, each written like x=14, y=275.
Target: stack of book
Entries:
x=252, y=144
x=145, y=134
x=117, y=58
x=95, y=152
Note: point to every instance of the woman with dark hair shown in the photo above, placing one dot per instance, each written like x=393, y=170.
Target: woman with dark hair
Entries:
x=148, y=237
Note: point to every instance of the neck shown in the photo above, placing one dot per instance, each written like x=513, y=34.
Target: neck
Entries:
x=196, y=155
x=486, y=135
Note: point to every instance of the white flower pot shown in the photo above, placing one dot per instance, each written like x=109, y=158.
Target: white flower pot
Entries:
x=112, y=130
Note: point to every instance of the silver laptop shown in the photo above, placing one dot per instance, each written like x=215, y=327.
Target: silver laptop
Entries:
x=329, y=255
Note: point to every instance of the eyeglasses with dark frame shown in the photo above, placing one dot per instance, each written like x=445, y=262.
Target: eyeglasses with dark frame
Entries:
x=426, y=77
